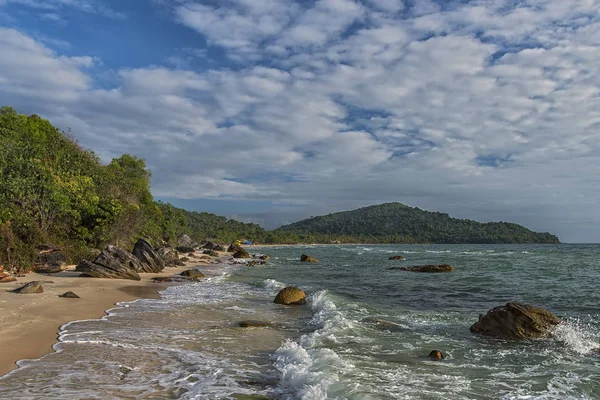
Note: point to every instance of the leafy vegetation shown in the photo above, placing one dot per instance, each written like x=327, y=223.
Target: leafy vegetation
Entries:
x=54, y=191
x=398, y=223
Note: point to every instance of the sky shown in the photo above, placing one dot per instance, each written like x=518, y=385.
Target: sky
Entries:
x=273, y=111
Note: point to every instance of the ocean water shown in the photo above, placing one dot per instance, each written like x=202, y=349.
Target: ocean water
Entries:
x=188, y=344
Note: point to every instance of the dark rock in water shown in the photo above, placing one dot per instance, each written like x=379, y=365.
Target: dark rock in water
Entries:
x=150, y=260
x=114, y=263
x=185, y=249
x=235, y=248
x=436, y=355
x=241, y=254
x=30, y=288
x=209, y=245
x=69, y=295
x=185, y=241
x=220, y=248
x=169, y=256
x=184, y=259
x=50, y=259
x=383, y=324
x=251, y=323
x=290, y=296
x=516, y=321
x=193, y=274
x=396, y=258
x=427, y=268
x=211, y=253
x=305, y=258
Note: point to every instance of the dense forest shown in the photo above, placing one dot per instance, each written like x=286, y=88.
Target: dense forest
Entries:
x=398, y=223
x=54, y=191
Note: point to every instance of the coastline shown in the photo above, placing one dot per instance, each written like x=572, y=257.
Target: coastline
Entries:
x=30, y=323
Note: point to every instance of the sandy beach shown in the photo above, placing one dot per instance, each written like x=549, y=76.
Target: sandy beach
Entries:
x=29, y=323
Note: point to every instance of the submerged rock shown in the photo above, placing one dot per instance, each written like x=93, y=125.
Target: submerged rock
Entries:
x=113, y=263
x=305, y=258
x=30, y=288
x=396, y=258
x=427, y=268
x=193, y=274
x=516, y=321
x=150, y=260
x=436, y=355
x=69, y=295
x=290, y=296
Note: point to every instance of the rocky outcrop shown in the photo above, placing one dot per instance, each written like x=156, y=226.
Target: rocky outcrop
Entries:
x=69, y=295
x=150, y=260
x=241, y=254
x=114, y=263
x=516, y=321
x=427, y=268
x=436, y=355
x=305, y=258
x=290, y=296
x=193, y=274
x=50, y=259
x=30, y=288
x=252, y=323
x=211, y=253
x=396, y=258
x=184, y=240
x=170, y=256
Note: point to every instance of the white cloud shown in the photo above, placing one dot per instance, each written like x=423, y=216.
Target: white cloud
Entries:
x=481, y=109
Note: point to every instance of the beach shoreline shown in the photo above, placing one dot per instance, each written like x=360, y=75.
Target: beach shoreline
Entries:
x=30, y=323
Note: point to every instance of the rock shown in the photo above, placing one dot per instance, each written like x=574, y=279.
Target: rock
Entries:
x=193, y=274
x=150, y=260
x=69, y=295
x=251, y=323
x=185, y=241
x=516, y=321
x=114, y=263
x=184, y=259
x=169, y=256
x=305, y=258
x=47, y=269
x=30, y=288
x=235, y=248
x=50, y=259
x=220, y=248
x=290, y=296
x=396, y=258
x=209, y=245
x=211, y=253
x=436, y=355
x=427, y=268
x=185, y=249
x=241, y=254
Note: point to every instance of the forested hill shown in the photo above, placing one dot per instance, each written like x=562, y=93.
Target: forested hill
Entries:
x=52, y=191
x=398, y=223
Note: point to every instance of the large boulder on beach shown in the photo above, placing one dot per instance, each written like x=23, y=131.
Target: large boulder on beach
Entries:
x=516, y=321
x=305, y=258
x=290, y=296
x=150, y=260
x=114, y=263
x=427, y=268
x=30, y=288
x=241, y=254
x=170, y=256
x=50, y=259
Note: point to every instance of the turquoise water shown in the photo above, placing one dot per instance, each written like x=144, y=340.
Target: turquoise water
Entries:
x=188, y=345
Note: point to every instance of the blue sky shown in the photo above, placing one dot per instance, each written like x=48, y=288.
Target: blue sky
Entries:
x=272, y=111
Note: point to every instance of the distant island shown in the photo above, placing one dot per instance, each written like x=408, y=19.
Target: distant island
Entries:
x=53, y=191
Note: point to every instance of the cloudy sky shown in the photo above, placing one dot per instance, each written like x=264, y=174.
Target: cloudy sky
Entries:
x=275, y=110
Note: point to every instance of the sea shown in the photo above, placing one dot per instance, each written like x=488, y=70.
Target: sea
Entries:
x=364, y=333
